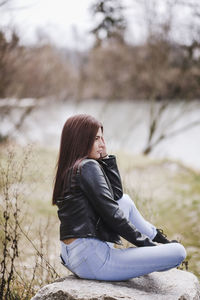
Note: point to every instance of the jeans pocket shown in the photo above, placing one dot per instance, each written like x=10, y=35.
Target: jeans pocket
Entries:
x=76, y=261
x=93, y=260
x=102, y=251
x=76, y=255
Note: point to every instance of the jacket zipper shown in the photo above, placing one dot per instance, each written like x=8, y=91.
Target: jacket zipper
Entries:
x=97, y=223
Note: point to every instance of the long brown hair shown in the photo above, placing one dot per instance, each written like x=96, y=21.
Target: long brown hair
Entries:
x=77, y=138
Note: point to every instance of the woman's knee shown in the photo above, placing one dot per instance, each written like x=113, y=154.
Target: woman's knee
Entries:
x=127, y=199
x=126, y=196
x=180, y=252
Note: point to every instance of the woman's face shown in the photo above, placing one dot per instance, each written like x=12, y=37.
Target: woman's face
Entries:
x=98, y=146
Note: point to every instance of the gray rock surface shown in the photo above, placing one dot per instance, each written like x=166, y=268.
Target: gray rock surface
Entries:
x=171, y=285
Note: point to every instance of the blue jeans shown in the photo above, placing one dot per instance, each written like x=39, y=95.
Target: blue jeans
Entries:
x=91, y=258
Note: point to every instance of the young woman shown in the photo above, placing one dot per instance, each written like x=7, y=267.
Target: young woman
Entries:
x=94, y=212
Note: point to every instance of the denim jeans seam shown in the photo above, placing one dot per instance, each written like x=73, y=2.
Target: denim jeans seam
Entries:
x=69, y=269
x=90, y=269
x=105, y=261
x=99, y=257
x=74, y=244
x=154, y=265
x=76, y=264
x=91, y=272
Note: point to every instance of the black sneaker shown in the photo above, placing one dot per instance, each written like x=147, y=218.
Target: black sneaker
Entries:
x=161, y=238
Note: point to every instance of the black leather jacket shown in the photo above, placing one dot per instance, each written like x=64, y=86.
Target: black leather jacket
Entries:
x=89, y=206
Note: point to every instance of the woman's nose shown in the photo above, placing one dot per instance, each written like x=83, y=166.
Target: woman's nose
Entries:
x=101, y=144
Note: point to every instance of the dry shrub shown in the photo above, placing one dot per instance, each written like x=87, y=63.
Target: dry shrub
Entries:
x=25, y=257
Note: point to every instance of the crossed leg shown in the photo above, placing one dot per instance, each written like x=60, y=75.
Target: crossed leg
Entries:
x=131, y=212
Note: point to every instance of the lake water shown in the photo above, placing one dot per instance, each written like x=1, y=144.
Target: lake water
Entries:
x=126, y=125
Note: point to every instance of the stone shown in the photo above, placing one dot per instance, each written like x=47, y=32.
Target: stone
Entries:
x=169, y=285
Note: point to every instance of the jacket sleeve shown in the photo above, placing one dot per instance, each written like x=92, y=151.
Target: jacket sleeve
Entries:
x=109, y=164
x=95, y=187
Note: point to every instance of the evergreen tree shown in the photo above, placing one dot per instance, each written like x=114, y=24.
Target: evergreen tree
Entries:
x=111, y=24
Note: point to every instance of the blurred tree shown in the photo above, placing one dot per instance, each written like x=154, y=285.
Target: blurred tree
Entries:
x=170, y=70
x=43, y=71
x=165, y=122
x=7, y=60
x=171, y=57
x=109, y=70
x=111, y=24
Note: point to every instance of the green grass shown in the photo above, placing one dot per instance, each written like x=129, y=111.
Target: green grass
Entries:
x=175, y=202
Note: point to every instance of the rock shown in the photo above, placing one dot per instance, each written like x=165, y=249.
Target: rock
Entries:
x=171, y=285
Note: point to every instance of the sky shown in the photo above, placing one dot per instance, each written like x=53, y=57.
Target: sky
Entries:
x=67, y=22
x=57, y=18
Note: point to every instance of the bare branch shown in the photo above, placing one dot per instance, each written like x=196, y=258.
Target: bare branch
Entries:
x=183, y=129
x=165, y=136
x=2, y=3
x=37, y=251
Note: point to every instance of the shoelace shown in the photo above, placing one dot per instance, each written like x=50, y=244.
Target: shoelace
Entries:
x=162, y=232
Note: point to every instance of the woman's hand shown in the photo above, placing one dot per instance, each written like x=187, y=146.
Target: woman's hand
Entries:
x=104, y=150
